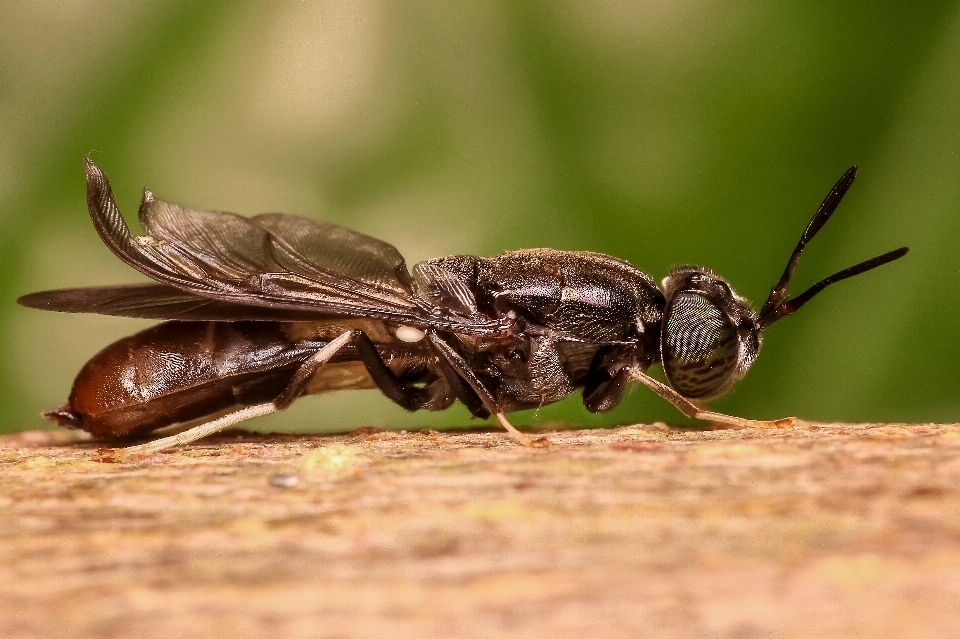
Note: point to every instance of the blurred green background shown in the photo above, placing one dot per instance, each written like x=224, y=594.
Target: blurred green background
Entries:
x=662, y=131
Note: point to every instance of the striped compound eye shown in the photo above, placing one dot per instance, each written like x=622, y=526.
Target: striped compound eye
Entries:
x=699, y=346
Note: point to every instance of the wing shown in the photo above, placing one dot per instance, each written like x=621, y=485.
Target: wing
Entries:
x=276, y=261
x=155, y=301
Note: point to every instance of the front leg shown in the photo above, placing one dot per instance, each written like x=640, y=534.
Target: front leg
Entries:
x=606, y=381
x=693, y=411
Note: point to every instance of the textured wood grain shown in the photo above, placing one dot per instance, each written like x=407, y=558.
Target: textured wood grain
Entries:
x=812, y=531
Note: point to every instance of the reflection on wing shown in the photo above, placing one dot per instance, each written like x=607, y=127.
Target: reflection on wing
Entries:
x=316, y=249
x=272, y=261
x=156, y=301
x=211, y=244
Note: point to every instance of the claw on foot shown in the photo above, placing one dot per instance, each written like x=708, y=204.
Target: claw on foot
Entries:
x=737, y=423
x=785, y=422
x=521, y=438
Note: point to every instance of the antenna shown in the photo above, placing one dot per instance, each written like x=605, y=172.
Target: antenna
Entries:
x=793, y=304
x=775, y=307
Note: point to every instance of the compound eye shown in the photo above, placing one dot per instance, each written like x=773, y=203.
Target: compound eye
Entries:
x=699, y=346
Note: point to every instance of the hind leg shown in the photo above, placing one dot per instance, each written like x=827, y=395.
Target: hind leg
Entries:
x=387, y=381
x=295, y=388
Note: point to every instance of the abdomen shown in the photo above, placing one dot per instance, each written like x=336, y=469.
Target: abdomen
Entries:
x=179, y=371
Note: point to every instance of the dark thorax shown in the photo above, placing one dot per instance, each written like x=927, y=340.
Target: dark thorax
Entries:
x=563, y=308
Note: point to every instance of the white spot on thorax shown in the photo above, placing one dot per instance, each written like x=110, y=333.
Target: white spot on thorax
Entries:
x=409, y=334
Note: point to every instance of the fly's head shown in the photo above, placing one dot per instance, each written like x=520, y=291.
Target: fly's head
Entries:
x=710, y=336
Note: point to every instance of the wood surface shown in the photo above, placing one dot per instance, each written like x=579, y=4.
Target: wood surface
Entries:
x=816, y=530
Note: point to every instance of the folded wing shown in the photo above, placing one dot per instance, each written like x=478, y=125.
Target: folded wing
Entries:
x=155, y=301
x=272, y=261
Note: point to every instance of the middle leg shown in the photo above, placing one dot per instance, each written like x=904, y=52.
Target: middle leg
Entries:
x=459, y=366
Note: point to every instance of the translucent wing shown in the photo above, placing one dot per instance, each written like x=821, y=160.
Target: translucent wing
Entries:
x=318, y=250
x=223, y=246
x=272, y=261
x=155, y=301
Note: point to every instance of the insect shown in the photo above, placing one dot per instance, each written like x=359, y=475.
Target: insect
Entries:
x=266, y=309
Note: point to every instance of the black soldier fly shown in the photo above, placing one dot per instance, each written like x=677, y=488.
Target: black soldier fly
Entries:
x=265, y=309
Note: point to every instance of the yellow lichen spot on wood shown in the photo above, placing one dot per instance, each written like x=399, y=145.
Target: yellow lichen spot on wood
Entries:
x=746, y=455
x=495, y=511
x=652, y=431
x=950, y=438
x=862, y=571
x=35, y=463
x=247, y=527
x=894, y=430
x=85, y=465
x=723, y=450
x=336, y=459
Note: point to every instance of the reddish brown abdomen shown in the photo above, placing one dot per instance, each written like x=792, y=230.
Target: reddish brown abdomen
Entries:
x=178, y=371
